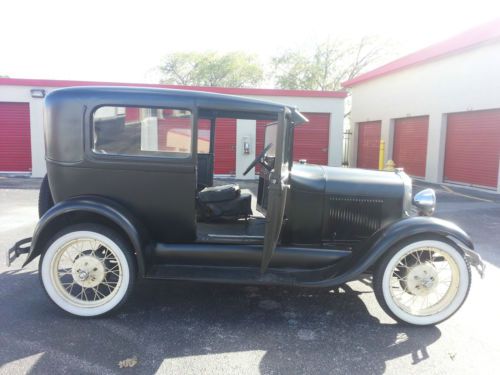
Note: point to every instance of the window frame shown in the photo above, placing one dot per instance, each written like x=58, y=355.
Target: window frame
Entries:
x=155, y=155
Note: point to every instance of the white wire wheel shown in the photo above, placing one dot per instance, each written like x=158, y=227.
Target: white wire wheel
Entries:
x=87, y=270
x=422, y=282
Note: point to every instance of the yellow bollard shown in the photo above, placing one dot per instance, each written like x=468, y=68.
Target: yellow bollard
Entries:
x=381, y=155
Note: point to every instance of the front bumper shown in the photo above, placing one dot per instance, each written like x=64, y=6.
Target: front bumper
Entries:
x=20, y=247
x=475, y=260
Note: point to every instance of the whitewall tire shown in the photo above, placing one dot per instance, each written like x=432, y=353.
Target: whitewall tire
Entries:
x=87, y=270
x=422, y=282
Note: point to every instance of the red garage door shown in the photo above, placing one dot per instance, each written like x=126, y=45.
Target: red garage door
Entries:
x=225, y=146
x=15, y=140
x=473, y=148
x=368, y=144
x=410, y=144
x=310, y=140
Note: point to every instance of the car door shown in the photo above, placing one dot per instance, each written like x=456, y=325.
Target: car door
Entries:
x=278, y=188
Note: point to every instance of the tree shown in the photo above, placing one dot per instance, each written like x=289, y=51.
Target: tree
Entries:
x=233, y=69
x=326, y=66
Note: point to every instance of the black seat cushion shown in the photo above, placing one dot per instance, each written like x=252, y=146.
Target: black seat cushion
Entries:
x=234, y=209
x=221, y=193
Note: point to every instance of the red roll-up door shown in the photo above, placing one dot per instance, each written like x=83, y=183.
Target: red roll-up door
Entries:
x=410, y=144
x=15, y=139
x=225, y=146
x=473, y=148
x=310, y=139
x=368, y=144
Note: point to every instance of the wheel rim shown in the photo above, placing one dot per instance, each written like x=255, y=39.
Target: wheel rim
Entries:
x=424, y=281
x=86, y=272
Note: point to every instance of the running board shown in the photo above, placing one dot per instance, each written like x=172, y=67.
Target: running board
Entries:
x=229, y=275
x=238, y=255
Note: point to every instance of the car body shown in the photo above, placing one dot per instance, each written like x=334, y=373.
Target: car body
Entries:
x=129, y=178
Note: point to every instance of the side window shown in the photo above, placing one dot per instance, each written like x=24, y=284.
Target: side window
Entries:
x=134, y=131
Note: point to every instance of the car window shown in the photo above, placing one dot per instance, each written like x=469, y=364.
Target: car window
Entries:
x=270, y=137
x=138, y=131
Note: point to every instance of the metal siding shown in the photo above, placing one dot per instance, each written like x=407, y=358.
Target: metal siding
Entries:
x=410, y=144
x=15, y=138
x=473, y=148
x=368, y=144
x=225, y=146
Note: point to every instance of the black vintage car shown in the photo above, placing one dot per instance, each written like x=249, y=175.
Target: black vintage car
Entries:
x=129, y=194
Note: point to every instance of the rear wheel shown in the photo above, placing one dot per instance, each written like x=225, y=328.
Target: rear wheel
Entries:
x=423, y=282
x=87, y=270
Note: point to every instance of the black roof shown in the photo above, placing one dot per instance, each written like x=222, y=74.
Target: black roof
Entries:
x=210, y=104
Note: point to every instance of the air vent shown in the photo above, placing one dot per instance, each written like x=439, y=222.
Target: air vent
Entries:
x=354, y=217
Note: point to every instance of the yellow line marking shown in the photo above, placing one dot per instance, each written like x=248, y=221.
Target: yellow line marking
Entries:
x=449, y=190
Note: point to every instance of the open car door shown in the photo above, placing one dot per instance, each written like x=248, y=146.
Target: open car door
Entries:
x=278, y=187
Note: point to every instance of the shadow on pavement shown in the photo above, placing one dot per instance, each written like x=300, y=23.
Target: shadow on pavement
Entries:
x=164, y=322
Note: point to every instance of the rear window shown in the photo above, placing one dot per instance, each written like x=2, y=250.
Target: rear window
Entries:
x=135, y=131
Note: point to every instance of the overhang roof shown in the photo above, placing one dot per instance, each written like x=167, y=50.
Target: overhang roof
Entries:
x=472, y=38
x=219, y=90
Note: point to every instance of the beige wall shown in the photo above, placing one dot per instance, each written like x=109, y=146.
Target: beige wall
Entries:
x=462, y=82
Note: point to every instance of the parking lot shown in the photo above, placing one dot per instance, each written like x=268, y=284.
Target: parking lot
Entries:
x=188, y=328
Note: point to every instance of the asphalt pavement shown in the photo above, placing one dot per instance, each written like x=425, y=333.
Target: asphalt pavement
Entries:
x=193, y=328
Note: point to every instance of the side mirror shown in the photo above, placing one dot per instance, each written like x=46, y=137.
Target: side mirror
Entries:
x=425, y=202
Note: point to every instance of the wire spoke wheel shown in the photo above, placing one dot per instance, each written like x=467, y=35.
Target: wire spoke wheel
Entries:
x=423, y=282
x=87, y=273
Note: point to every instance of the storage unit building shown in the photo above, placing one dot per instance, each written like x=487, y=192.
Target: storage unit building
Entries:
x=439, y=109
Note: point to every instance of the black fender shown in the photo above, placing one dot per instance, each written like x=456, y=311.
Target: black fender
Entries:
x=368, y=252
x=83, y=208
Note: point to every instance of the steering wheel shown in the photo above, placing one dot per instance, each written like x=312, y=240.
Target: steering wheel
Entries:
x=258, y=159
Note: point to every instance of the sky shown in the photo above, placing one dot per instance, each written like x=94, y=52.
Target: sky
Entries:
x=125, y=41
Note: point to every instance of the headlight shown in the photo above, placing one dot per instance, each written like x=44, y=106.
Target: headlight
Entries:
x=425, y=201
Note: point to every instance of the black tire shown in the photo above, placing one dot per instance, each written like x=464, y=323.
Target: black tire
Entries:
x=113, y=304
x=45, y=201
x=378, y=283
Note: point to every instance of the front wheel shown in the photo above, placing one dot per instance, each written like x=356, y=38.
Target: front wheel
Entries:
x=422, y=282
x=87, y=270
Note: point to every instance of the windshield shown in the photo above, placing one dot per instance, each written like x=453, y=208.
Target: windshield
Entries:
x=270, y=138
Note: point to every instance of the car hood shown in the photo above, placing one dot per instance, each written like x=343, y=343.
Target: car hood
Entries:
x=347, y=181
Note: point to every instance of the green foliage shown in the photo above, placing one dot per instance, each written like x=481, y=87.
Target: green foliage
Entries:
x=234, y=69
x=326, y=65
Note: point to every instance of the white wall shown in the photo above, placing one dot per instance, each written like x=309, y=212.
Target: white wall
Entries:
x=462, y=82
x=246, y=131
x=334, y=106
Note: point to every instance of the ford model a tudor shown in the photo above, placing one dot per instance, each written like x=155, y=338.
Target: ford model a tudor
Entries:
x=129, y=193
